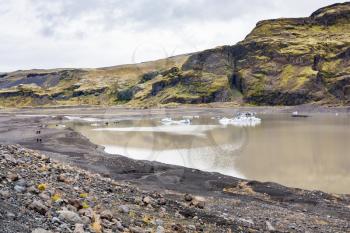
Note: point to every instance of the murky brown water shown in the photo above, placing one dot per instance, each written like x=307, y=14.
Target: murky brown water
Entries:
x=310, y=153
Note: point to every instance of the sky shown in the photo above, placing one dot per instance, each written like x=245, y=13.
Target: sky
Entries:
x=99, y=33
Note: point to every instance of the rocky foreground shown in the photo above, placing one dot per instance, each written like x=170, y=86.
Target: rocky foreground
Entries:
x=40, y=195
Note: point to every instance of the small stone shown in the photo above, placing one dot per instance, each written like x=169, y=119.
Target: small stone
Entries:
x=64, y=228
x=76, y=203
x=159, y=222
x=69, y=216
x=188, y=197
x=160, y=229
x=4, y=194
x=72, y=208
x=40, y=230
x=269, y=226
x=124, y=209
x=39, y=207
x=44, y=196
x=147, y=200
x=33, y=190
x=107, y=214
x=22, y=182
x=87, y=213
x=161, y=201
x=79, y=228
x=136, y=230
x=191, y=227
x=55, y=220
x=12, y=177
x=177, y=227
x=62, y=178
x=198, y=202
x=11, y=215
x=20, y=189
x=86, y=220
x=120, y=226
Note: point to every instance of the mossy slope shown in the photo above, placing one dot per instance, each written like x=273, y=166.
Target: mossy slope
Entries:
x=281, y=62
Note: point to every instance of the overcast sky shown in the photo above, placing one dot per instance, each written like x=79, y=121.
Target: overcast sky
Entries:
x=96, y=33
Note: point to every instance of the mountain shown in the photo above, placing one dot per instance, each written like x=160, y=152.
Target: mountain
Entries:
x=288, y=61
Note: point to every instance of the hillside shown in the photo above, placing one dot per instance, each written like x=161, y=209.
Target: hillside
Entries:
x=287, y=61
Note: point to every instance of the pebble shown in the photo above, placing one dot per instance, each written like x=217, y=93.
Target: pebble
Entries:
x=69, y=216
x=107, y=214
x=12, y=177
x=11, y=215
x=86, y=220
x=79, y=228
x=55, y=220
x=188, y=197
x=159, y=222
x=161, y=201
x=40, y=230
x=198, y=202
x=39, y=207
x=20, y=189
x=44, y=196
x=177, y=227
x=21, y=182
x=61, y=178
x=5, y=194
x=136, y=230
x=147, y=200
x=160, y=229
x=269, y=226
x=191, y=227
x=124, y=209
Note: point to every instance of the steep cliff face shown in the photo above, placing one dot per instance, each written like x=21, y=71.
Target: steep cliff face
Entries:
x=281, y=62
x=290, y=61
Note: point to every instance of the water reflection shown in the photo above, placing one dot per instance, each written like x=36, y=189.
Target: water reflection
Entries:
x=310, y=153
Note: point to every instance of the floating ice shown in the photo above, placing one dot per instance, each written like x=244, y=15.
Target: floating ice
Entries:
x=190, y=117
x=242, y=120
x=77, y=118
x=169, y=121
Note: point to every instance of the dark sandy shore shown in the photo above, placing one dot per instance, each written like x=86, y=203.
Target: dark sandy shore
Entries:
x=229, y=200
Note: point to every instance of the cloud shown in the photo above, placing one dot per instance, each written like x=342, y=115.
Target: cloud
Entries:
x=91, y=33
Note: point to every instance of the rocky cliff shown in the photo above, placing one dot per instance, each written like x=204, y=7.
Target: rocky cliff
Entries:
x=287, y=61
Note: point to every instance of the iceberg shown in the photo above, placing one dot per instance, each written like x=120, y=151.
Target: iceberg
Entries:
x=242, y=120
x=169, y=121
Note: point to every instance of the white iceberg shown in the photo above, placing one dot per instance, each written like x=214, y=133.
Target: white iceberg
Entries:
x=242, y=120
x=87, y=119
x=190, y=117
x=169, y=121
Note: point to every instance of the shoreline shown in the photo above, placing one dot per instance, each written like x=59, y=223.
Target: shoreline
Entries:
x=279, y=204
x=70, y=146
x=42, y=195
